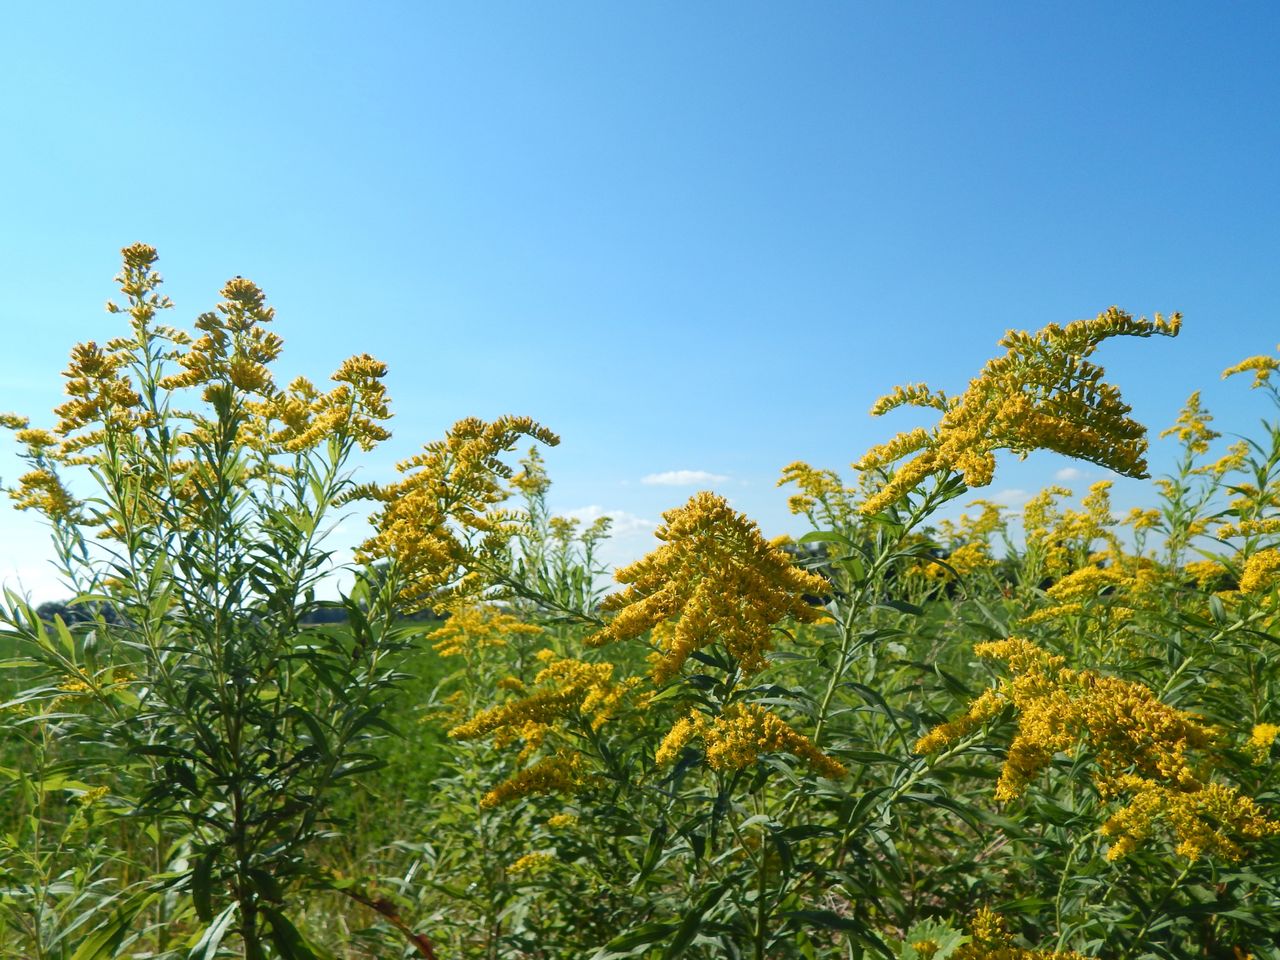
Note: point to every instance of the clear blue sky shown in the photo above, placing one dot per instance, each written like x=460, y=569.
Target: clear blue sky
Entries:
x=689, y=237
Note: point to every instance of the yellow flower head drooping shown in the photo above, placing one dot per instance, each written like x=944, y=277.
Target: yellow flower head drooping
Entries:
x=441, y=523
x=562, y=773
x=566, y=695
x=718, y=580
x=1192, y=426
x=1141, y=748
x=563, y=688
x=740, y=736
x=1261, y=367
x=476, y=627
x=1043, y=394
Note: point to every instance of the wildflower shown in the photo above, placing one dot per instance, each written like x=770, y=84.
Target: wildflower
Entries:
x=1260, y=571
x=1141, y=747
x=1261, y=367
x=1250, y=528
x=1205, y=572
x=1139, y=519
x=477, y=627
x=1192, y=426
x=441, y=524
x=562, y=773
x=532, y=863
x=737, y=738
x=1042, y=394
x=991, y=940
x=1261, y=738
x=561, y=821
x=715, y=578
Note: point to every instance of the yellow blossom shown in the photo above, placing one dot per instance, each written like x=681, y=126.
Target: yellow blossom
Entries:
x=737, y=738
x=1042, y=394
x=532, y=863
x=1261, y=367
x=1192, y=426
x=718, y=580
x=441, y=524
x=477, y=627
x=1261, y=738
x=1141, y=748
x=1260, y=571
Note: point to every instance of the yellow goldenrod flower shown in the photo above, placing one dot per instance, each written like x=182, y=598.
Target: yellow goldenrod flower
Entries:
x=477, y=627
x=532, y=863
x=1261, y=738
x=561, y=773
x=441, y=524
x=1042, y=394
x=1250, y=528
x=1261, y=367
x=1192, y=426
x=1260, y=571
x=1140, y=746
x=717, y=579
x=738, y=738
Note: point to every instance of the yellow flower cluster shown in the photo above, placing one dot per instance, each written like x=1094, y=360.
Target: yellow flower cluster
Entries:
x=737, y=738
x=968, y=541
x=532, y=863
x=1192, y=426
x=992, y=941
x=235, y=350
x=1260, y=572
x=477, y=627
x=564, y=687
x=122, y=408
x=1140, y=746
x=440, y=524
x=1250, y=528
x=1211, y=819
x=718, y=579
x=1261, y=367
x=1042, y=394
x=822, y=497
x=561, y=773
x=564, y=690
x=1204, y=572
x=1261, y=738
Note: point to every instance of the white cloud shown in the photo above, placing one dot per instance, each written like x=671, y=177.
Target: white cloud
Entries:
x=682, y=478
x=1010, y=498
x=624, y=523
x=1068, y=474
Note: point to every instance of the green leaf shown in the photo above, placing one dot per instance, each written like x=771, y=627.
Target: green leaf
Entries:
x=103, y=942
x=288, y=941
x=206, y=948
x=202, y=885
x=692, y=922
x=634, y=941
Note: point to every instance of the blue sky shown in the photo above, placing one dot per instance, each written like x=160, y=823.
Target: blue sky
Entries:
x=689, y=237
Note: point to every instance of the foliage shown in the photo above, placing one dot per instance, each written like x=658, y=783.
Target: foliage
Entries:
x=915, y=733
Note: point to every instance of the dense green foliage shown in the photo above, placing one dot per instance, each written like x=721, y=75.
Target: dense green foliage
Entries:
x=901, y=736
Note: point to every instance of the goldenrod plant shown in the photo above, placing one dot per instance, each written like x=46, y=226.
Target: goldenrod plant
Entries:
x=930, y=726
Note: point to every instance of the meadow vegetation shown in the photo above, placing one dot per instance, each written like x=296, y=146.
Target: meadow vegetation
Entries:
x=1045, y=734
